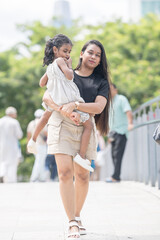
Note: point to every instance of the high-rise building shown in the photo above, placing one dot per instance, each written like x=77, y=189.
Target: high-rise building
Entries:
x=150, y=6
x=62, y=13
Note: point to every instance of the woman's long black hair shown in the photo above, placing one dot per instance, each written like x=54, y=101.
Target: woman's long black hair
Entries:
x=57, y=41
x=102, y=119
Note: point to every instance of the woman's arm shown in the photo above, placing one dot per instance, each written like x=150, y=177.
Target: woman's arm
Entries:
x=92, y=108
x=49, y=102
x=75, y=117
x=43, y=81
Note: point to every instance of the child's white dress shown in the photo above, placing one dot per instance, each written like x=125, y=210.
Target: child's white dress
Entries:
x=62, y=90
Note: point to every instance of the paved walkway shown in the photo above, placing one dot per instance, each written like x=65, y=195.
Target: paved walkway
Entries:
x=119, y=211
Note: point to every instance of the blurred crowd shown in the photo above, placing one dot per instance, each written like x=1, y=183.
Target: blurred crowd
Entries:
x=44, y=168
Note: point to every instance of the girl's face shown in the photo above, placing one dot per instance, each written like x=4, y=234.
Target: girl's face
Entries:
x=64, y=51
x=91, y=57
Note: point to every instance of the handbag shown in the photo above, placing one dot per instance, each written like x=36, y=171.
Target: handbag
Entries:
x=156, y=134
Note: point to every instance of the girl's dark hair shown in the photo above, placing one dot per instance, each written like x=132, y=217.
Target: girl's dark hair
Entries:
x=102, y=120
x=57, y=41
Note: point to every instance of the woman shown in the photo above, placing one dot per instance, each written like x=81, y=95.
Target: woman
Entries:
x=92, y=78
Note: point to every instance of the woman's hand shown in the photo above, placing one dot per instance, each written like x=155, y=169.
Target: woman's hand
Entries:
x=67, y=109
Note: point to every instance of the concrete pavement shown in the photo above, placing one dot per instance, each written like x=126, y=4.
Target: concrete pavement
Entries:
x=112, y=211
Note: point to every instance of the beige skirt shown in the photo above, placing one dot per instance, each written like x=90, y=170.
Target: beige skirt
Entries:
x=64, y=137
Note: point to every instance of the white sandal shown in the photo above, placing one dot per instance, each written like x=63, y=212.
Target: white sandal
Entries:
x=85, y=163
x=31, y=146
x=70, y=236
x=82, y=230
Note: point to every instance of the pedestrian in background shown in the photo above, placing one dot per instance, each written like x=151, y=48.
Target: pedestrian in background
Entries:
x=100, y=160
x=120, y=122
x=10, y=133
x=51, y=167
x=38, y=171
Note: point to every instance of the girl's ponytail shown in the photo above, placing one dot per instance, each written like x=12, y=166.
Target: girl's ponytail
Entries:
x=48, y=54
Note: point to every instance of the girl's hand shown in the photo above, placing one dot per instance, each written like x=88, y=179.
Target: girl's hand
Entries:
x=75, y=117
x=67, y=109
x=69, y=62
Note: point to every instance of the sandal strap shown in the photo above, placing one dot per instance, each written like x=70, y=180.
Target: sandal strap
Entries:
x=74, y=234
x=73, y=223
x=77, y=218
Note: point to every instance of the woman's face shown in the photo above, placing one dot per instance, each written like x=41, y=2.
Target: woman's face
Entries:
x=91, y=57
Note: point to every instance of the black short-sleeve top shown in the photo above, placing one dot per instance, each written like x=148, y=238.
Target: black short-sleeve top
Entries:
x=91, y=86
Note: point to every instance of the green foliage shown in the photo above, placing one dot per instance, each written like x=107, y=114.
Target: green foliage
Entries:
x=133, y=52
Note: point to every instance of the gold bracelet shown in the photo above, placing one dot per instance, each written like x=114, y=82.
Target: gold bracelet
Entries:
x=76, y=104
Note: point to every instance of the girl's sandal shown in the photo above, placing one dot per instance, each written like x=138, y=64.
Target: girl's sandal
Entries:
x=73, y=235
x=82, y=230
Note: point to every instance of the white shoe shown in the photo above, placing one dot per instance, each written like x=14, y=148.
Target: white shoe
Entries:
x=31, y=146
x=85, y=163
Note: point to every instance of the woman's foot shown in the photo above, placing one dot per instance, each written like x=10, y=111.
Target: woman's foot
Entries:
x=73, y=232
x=82, y=230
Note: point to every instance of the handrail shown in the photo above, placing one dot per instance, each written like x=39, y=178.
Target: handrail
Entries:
x=144, y=105
x=146, y=123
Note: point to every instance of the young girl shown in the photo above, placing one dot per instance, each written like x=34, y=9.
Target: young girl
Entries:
x=62, y=90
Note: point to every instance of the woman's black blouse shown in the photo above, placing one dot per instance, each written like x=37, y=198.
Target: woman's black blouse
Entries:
x=92, y=86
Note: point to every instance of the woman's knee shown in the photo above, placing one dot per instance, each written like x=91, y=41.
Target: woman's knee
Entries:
x=65, y=175
x=82, y=177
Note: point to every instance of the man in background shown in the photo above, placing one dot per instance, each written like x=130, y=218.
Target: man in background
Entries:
x=38, y=171
x=120, y=122
x=10, y=133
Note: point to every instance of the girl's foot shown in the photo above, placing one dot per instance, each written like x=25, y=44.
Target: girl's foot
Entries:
x=85, y=163
x=31, y=146
x=73, y=232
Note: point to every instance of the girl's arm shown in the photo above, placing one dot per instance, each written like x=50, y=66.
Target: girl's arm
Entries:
x=92, y=108
x=66, y=67
x=43, y=81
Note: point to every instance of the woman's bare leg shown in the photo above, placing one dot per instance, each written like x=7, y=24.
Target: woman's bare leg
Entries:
x=65, y=174
x=81, y=187
x=41, y=124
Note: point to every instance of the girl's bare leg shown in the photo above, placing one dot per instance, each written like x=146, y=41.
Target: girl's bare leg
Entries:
x=41, y=124
x=88, y=126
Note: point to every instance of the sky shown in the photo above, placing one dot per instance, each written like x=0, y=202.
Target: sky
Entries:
x=14, y=12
